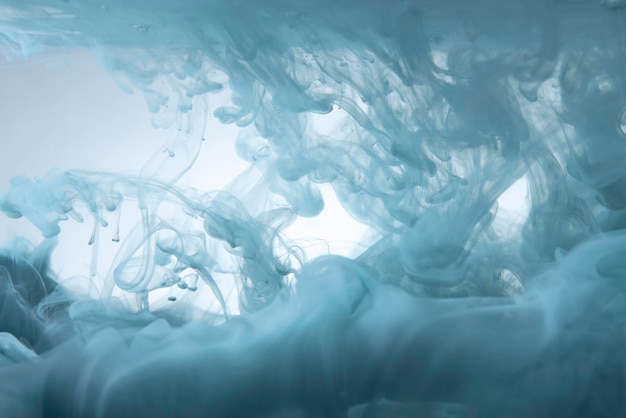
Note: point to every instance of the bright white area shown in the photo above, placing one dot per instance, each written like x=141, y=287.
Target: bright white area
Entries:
x=62, y=110
x=333, y=231
x=515, y=200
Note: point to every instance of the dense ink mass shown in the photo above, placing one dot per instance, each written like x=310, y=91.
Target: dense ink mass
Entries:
x=420, y=115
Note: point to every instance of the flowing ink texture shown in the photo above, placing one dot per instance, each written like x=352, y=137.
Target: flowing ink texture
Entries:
x=420, y=115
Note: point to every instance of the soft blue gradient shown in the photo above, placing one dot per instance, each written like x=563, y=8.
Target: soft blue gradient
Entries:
x=420, y=115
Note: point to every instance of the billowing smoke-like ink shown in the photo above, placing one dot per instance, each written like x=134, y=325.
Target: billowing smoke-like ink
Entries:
x=420, y=115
